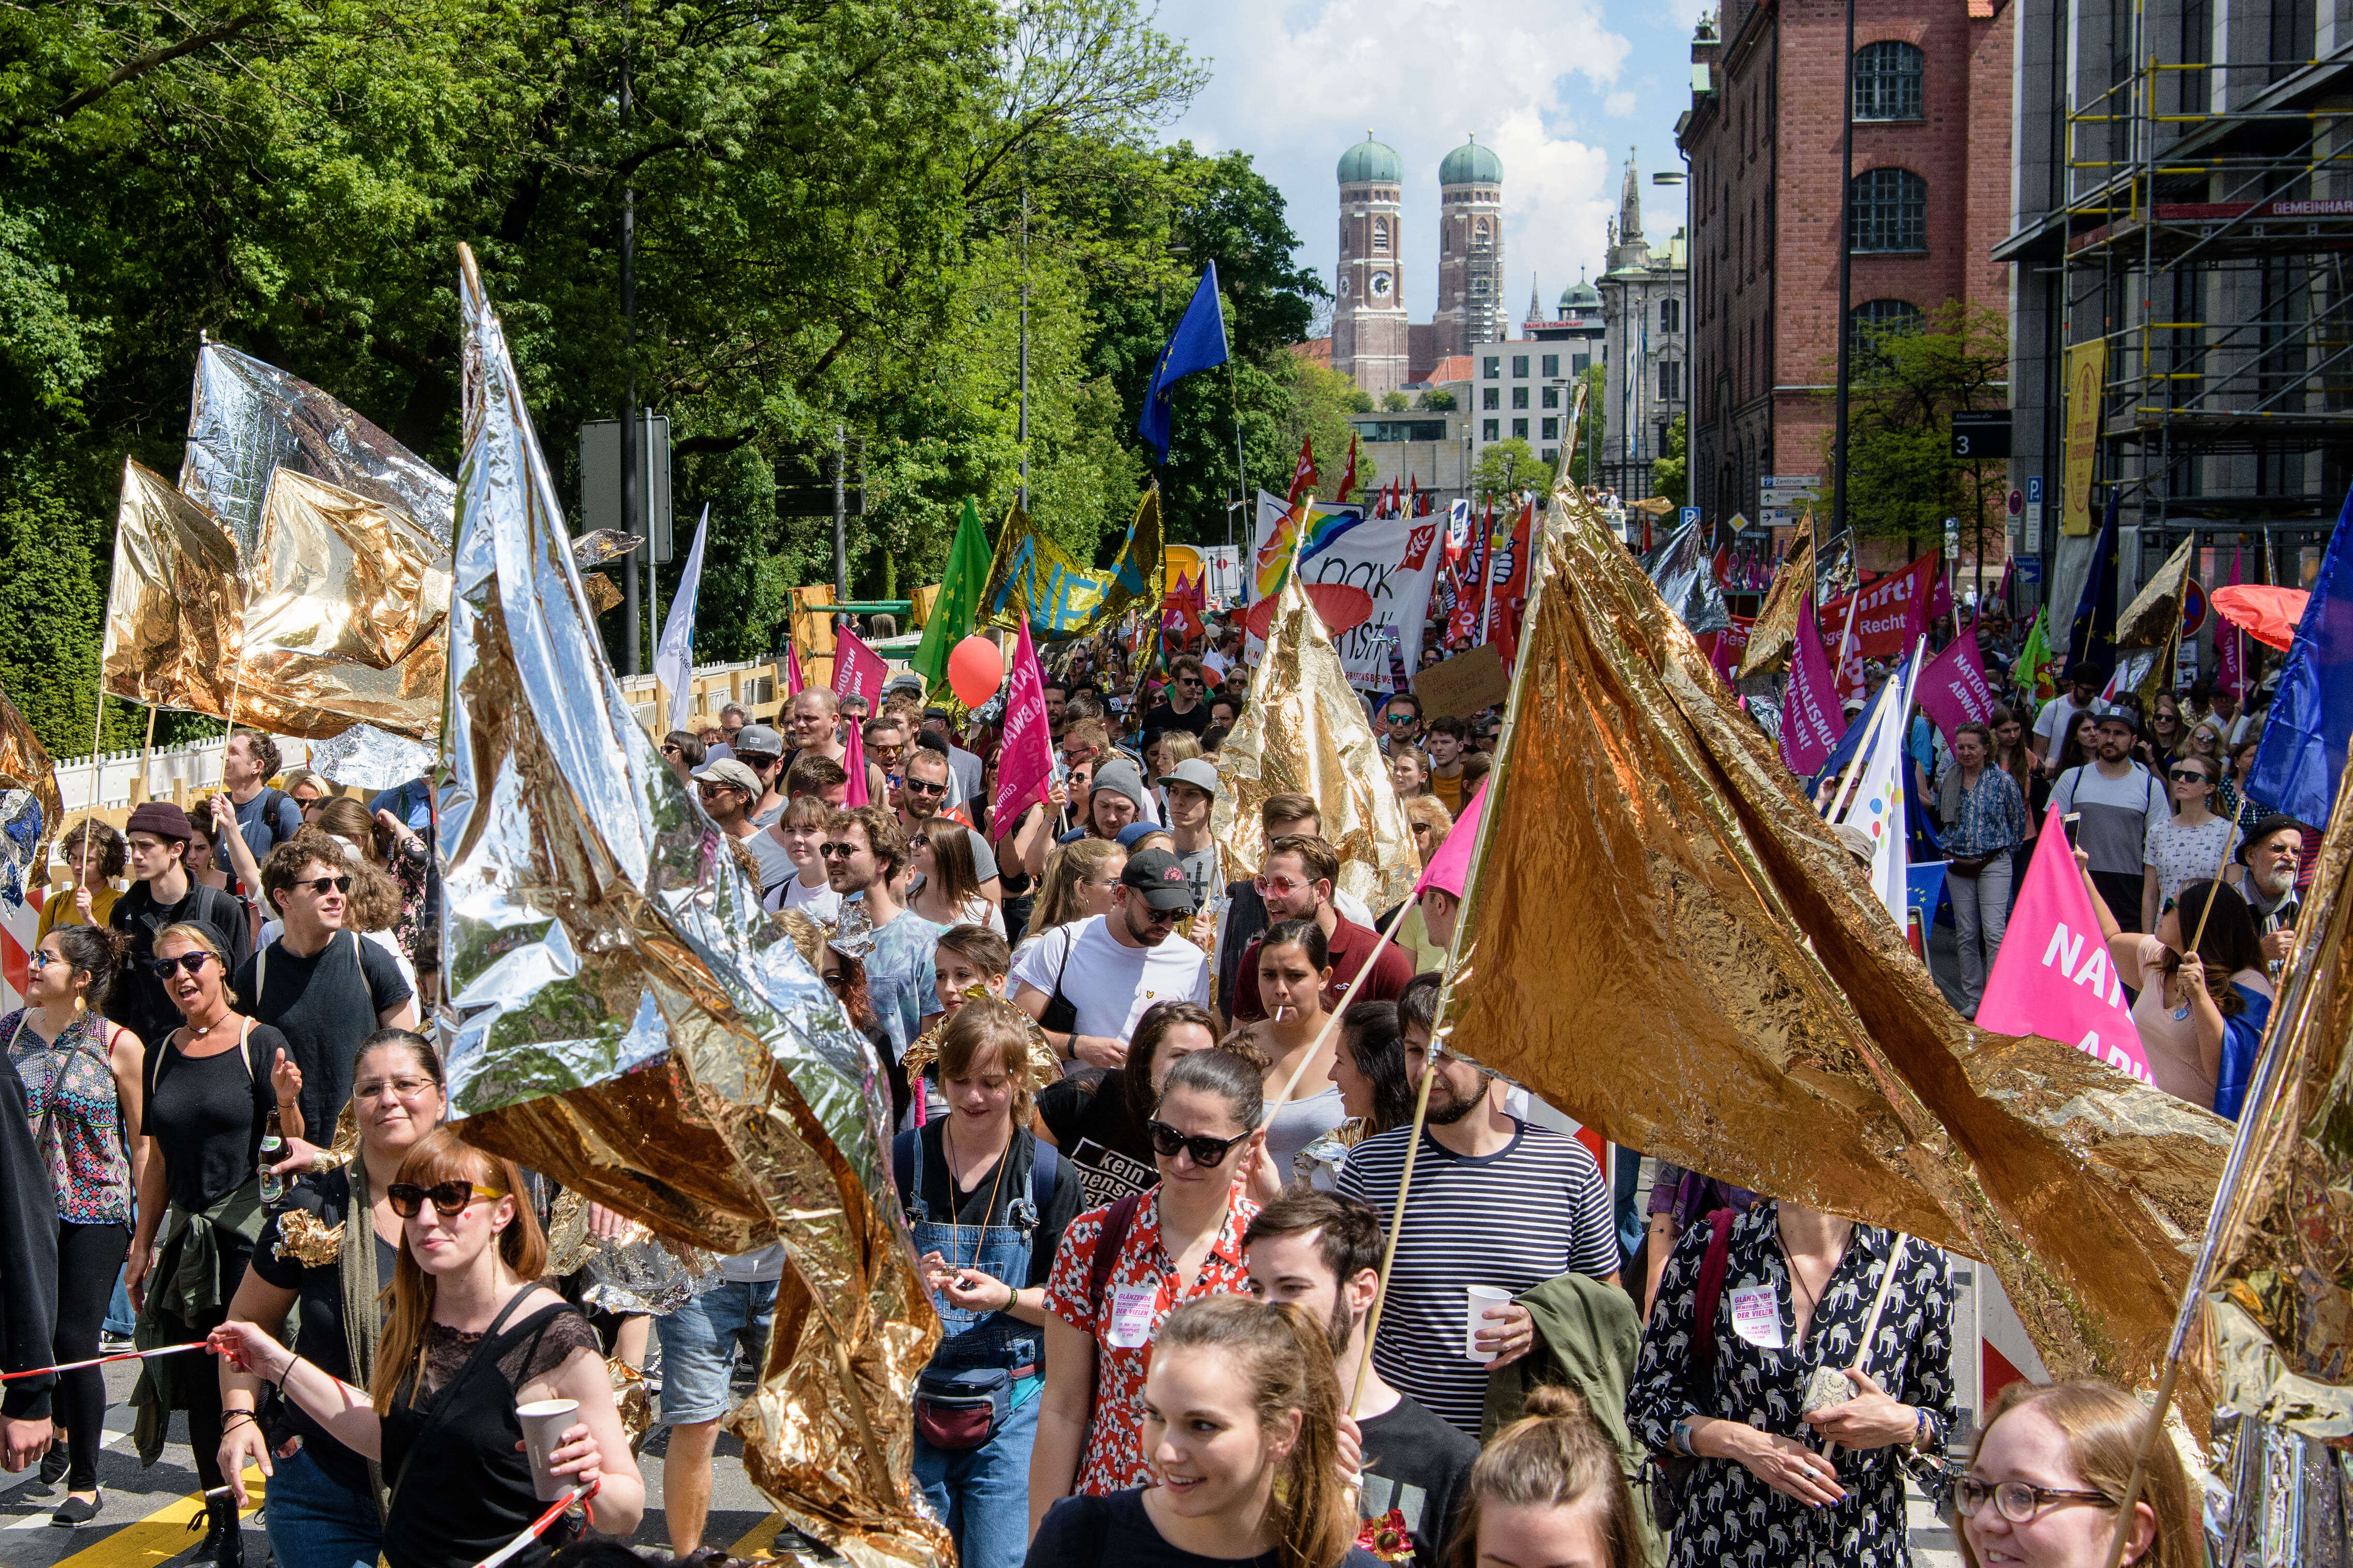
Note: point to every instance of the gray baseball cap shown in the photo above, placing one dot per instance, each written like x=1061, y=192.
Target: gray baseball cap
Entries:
x=760, y=740
x=1198, y=772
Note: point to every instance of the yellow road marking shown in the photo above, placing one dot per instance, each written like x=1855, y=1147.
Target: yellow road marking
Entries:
x=159, y=1537
x=753, y=1542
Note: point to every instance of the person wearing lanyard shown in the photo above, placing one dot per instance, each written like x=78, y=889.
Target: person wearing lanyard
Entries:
x=470, y=1338
x=987, y=1203
x=323, y=1498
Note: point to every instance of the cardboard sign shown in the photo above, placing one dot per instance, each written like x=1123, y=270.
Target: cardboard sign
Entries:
x=1463, y=684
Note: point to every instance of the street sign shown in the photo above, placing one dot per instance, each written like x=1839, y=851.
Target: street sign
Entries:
x=1979, y=435
x=1689, y=517
x=2034, y=490
x=2193, y=607
x=600, y=479
x=2017, y=502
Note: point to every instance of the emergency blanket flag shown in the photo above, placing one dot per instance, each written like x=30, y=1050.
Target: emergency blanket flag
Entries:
x=1391, y=562
x=1883, y=614
x=2053, y=976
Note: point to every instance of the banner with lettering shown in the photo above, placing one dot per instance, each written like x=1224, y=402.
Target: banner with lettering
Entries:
x=1953, y=689
x=1370, y=579
x=1885, y=608
x=1812, y=722
x=2053, y=976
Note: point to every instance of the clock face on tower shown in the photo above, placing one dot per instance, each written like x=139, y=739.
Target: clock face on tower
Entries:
x=1347, y=285
x=1380, y=285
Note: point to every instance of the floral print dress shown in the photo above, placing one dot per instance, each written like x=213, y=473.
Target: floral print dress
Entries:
x=1729, y=1518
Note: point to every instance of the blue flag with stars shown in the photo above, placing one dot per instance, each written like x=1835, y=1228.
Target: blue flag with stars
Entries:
x=1199, y=343
x=2303, y=751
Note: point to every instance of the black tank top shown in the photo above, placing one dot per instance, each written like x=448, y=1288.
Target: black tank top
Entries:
x=463, y=1487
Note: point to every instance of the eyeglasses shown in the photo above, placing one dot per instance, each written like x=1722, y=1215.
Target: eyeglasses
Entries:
x=839, y=851
x=1208, y=1153
x=917, y=786
x=1280, y=887
x=319, y=885
x=1190, y=680
x=2016, y=1501
x=38, y=960
x=187, y=963
x=408, y=1199
x=668, y=751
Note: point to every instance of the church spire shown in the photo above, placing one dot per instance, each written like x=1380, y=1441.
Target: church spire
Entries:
x=1630, y=203
x=1536, y=300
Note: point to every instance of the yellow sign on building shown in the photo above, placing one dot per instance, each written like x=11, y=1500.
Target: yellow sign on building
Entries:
x=2088, y=375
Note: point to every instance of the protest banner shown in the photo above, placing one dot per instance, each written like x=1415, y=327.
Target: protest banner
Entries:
x=1953, y=689
x=1025, y=762
x=1810, y=721
x=858, y=670
x=1462, y=685
x=1883, y=612
x=1391, y=561
x=2053, y=976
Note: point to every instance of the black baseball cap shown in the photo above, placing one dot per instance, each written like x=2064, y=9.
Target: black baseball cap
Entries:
x=1158, y=879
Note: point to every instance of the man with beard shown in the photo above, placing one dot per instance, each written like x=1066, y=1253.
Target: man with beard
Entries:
x=2121, y=804
x=1297, y=880
x=2271, y=853
x=1494, y=1202
x=1087, y=983
x=1323, y=1251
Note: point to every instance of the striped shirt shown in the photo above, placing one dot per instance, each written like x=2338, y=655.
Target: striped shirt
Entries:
x=1535, y=1211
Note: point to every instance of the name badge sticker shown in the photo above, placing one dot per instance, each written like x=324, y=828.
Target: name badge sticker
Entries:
x=1131, y=1315
x=1757, y=1316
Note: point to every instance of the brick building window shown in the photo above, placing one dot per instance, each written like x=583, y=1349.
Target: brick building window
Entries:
x=1380, y=236
x=1875, y=319
x=1671, y=315
x=1887, y=81
x=1887, y=209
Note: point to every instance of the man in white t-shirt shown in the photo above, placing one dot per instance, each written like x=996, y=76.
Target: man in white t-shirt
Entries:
x=1090, y=981
x=2119, y=802
x=2058, y=715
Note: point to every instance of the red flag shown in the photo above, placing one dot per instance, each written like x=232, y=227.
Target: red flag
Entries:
x=1470, y=604
x=853, y=763
x=1413, y=498
x=1302, y=475
x=1884, y=608
x=1511, y=575
x=858, y=670
x=1348, y=475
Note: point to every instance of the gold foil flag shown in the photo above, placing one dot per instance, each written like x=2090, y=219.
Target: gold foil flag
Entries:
x=624, y=1017
x=1303, y=732
x=1663, y=939
x=31, y=809
x=1063, y=598
x=175, y=602
x=1776, y=623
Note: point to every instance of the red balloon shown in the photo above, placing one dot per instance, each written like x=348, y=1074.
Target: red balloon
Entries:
x=976, y=669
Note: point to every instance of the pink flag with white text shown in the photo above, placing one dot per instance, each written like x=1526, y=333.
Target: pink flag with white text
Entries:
x=1025, y=756
x=1953, y=689
x=858, y=670
x=2231, y=647
x=2053, y=976
x=794, y=680
x=1811, y=722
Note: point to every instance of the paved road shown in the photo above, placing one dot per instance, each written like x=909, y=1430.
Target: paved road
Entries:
x=147, y=1512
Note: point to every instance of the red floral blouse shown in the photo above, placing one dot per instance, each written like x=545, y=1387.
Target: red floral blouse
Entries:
x=1114, y=1460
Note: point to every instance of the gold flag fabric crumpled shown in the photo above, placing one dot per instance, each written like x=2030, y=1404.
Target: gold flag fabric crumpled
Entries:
x=1063, y=596
x=175, y=602
x=1303, y=732
x=1770, y=639
x=1664, y=940
x=248, y=421
x=2282, y=1298
x=31, y=808
x=625, y=1019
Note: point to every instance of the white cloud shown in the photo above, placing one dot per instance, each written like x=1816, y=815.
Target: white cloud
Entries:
x=1549, y=84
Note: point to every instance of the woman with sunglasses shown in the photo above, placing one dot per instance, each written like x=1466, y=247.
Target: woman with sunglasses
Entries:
x=82, y=1078
x=2047, y=1475
x=1098, y=1121
x=2194, y=842
x=947, y=891
x=987, y=1203
x=206, y=1099
x=2168, y=737
x=322, y=1496
x=684, y=751
x=469, y=1337
x=1177, y=1242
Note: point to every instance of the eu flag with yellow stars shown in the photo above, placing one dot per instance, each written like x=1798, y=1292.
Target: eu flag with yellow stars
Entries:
x=1199, y=343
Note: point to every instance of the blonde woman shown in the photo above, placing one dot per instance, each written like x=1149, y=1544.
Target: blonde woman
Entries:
x=2049, y=1473
x=1079, y=877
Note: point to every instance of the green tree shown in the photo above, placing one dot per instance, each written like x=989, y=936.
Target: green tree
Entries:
x=1394, y=402
x=1903, y=480
x=1509, y=466
x=1671, y=475
x=1592, y=432
x=1438, y=400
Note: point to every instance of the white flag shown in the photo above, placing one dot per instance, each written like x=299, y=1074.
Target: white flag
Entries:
x=1877, y=803
x=674, y=656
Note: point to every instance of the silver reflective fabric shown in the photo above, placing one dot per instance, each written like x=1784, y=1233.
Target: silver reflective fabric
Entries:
x=365, y=757
x=1686, y=578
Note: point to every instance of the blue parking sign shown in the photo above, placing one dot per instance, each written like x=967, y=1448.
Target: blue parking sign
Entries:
x=1690, y=516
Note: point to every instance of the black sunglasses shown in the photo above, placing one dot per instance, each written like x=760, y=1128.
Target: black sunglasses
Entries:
x=839, y=851
x=320, y=884
x=1209, y=1153
x=920, y=787
x=187, y=962
x=450, y=1197
x=2188, y=775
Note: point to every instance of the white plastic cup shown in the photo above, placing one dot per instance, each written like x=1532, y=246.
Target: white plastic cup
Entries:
x=1483, y=1299
x=545, y=1421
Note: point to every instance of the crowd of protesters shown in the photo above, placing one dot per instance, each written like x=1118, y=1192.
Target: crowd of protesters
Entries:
x=1154, y=1132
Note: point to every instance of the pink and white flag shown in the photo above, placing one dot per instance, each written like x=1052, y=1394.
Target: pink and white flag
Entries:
x=2231, y=647
x=858, y=670
x=1025, y=757
x=1953, y=689
x=1811, y=722
x=2053, y=976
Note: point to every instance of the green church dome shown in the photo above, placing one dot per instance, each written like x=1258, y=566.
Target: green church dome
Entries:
x=1369, y=162
x=1471, y=164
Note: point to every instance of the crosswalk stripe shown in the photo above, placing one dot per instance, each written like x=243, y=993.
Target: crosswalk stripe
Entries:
x=158, y=1538
x=40, y=1521
x=758, y=1539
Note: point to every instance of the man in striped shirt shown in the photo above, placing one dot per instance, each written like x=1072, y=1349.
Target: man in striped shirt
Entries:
x=1494, y=1202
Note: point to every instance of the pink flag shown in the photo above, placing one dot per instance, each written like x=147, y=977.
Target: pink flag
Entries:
x=1025, y=756
x=853, y=763
x=1812, y=722
x=858, y=670
x=2229, y=651
x=793, y=679
x=1953, y=689
x=1451, y=866
x=2053, y=976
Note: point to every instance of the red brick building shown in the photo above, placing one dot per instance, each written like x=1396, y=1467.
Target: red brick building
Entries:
x=1930, y=200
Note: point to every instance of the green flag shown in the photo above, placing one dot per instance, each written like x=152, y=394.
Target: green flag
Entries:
x=950, y=618
x=2032, y=672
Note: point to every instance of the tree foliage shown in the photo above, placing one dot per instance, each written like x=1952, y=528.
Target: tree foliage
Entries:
x=1671, y=475
x=1903, y=480
x=1509, y=466
x=837, y=208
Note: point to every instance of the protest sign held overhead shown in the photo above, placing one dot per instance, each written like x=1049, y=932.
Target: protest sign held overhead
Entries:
x=1391, y=561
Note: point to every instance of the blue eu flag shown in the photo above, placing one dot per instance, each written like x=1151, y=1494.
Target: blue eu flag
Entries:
x=2303, y=749
x=2092, y=637
x=1199, y=343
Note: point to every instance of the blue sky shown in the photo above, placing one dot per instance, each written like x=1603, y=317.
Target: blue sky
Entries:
x=1560, y=89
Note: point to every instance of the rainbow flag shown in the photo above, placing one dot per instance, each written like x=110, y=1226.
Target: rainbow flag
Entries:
x=1326, y=521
